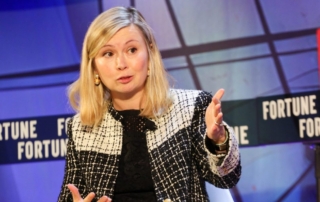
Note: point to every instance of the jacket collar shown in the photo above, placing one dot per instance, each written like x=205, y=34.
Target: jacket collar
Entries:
x=150, y=125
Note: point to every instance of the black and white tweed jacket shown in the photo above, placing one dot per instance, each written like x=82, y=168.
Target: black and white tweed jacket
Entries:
x=180, y=161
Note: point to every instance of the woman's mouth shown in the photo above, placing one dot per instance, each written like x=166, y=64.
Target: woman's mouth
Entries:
x=125, y=79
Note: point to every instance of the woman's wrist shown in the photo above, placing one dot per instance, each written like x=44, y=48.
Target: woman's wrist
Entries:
x=226, y=135
x=221, y=148
x=222, y=140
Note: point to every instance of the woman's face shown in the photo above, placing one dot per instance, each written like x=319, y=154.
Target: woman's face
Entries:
x=122, y=63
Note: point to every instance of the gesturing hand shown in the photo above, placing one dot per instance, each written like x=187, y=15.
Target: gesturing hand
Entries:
x=214, y=117
x=77, y=197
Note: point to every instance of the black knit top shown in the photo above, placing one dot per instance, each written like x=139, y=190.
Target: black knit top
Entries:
x=134, y=181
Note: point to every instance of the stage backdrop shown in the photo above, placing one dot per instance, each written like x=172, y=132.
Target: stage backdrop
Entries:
x=262, y=52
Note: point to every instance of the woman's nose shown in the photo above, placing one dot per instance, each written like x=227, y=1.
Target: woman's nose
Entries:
x=121, y=62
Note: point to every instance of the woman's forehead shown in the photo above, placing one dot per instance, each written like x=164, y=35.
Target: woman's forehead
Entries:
x=126, y=35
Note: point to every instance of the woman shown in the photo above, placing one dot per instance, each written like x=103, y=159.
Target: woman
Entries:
x=134, y=138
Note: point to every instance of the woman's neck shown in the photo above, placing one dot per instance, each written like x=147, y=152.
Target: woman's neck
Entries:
x=124, y=102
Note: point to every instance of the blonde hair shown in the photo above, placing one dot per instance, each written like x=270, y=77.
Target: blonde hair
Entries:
x=92, y=101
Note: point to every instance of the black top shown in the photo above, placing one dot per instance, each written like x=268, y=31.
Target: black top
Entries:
x=134, y=181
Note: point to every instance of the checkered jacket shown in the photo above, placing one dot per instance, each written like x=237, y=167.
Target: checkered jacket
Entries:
x=180, y=161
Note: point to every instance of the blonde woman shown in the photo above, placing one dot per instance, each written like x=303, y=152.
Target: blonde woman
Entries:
x=134, y=138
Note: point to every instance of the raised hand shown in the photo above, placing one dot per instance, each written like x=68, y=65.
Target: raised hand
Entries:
x=77, y=197
x=214, y=118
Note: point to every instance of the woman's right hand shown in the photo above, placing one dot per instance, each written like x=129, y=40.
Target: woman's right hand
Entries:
x=77, y=197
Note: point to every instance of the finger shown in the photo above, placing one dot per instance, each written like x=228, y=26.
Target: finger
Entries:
x=215, y=101
x=217, y=122
x=219, y=118
x=216, y=130
x=89, y=197
x=219, y=94
x=104, y=199
x=217, y=109
x=214, y=108
x=75, y=192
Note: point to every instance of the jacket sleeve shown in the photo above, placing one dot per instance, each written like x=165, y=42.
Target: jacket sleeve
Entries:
x=222, y=172
x=72, y=173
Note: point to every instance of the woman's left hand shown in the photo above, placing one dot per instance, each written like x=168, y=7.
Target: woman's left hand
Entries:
x=214, y=118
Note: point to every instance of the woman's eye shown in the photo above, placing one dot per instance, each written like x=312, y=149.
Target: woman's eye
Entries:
x=132, y=50
x=108, y=54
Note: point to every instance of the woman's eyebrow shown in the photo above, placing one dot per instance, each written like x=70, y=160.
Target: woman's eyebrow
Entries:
x=110, y=45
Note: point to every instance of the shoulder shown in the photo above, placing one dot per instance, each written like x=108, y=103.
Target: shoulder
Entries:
x=75, y=120
x=75, y=124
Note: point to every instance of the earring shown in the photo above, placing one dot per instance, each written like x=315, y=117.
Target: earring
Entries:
x=97, y=80
x=148, y=73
